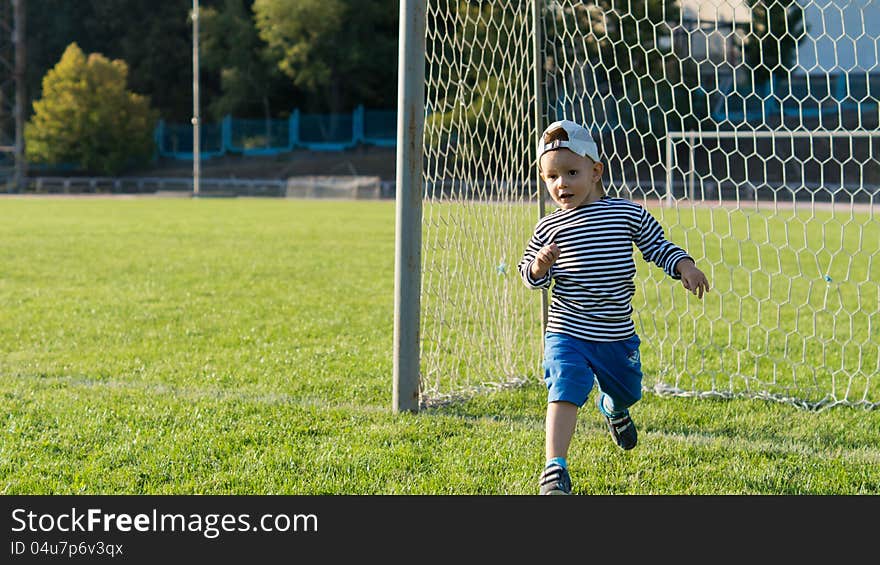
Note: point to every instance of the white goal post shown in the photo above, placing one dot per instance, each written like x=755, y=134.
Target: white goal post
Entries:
x=694, y=139
x=748, y=128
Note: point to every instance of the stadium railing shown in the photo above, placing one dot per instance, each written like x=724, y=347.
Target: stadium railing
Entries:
x=316, y=132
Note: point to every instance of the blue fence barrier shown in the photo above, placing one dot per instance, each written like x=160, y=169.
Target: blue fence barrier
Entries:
x=316, y=132
x=801, y=97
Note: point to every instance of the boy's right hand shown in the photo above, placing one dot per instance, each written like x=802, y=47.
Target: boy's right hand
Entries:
x=544, y=259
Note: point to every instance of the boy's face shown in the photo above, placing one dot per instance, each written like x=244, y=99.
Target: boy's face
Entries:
x=571, y=180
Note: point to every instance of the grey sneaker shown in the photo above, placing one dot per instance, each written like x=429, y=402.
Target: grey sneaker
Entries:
x=555, y=480
x=622, y=428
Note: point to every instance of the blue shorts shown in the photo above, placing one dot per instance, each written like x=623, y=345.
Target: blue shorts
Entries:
x=571, y=365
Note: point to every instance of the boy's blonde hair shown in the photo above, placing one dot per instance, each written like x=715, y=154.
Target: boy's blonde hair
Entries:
x=558, y=134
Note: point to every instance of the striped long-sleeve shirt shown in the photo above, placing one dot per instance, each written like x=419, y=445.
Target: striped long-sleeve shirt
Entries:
x=593, y=276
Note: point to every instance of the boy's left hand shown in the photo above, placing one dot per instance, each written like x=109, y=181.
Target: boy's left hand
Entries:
x=692, y=278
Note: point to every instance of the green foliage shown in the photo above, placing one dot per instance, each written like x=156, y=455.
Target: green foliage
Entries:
x=303, y=31
x=251, y=84
x=88, y=118
x=335, y=54
x=777, y=28
x=476, y=66
x=654, y=88
x=153, y=38
x=648, y=85
x=340, y=52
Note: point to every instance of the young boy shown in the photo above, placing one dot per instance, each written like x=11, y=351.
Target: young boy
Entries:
x=586, y=248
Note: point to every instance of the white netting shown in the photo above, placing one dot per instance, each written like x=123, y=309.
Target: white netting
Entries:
x=478, y=326
x=749, y=129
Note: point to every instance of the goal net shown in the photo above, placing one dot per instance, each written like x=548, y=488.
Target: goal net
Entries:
x=748, y=128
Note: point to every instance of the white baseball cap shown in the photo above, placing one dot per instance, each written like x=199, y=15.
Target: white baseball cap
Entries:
x=579, y=140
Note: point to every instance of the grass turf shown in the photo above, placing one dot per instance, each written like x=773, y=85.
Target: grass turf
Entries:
x=177, y=346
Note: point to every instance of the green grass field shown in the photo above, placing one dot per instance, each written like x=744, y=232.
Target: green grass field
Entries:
x=243, y=346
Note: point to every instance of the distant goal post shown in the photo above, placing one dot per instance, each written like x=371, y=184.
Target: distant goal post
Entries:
x=855, y=150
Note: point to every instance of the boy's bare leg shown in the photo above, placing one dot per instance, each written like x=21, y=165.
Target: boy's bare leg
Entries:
x=559, y=428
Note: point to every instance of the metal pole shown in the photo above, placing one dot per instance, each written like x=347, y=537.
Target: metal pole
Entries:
x=667, y=198
x=197, y=151
x=537, y=56
x=691, y=187
x=18, y=39
x=408, y=228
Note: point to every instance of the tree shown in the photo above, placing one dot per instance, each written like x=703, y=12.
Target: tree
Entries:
x=88, y=118
x=476, y=65
x=620, y=44
x=153, y=38
x=652, y=88
x=770, y=48
x=338, y=66
x=251, y=83
x=340, y=52
x=60, y=23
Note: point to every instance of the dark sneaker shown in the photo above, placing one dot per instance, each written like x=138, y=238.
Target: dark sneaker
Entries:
x=555, y=480
x=621, y=426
